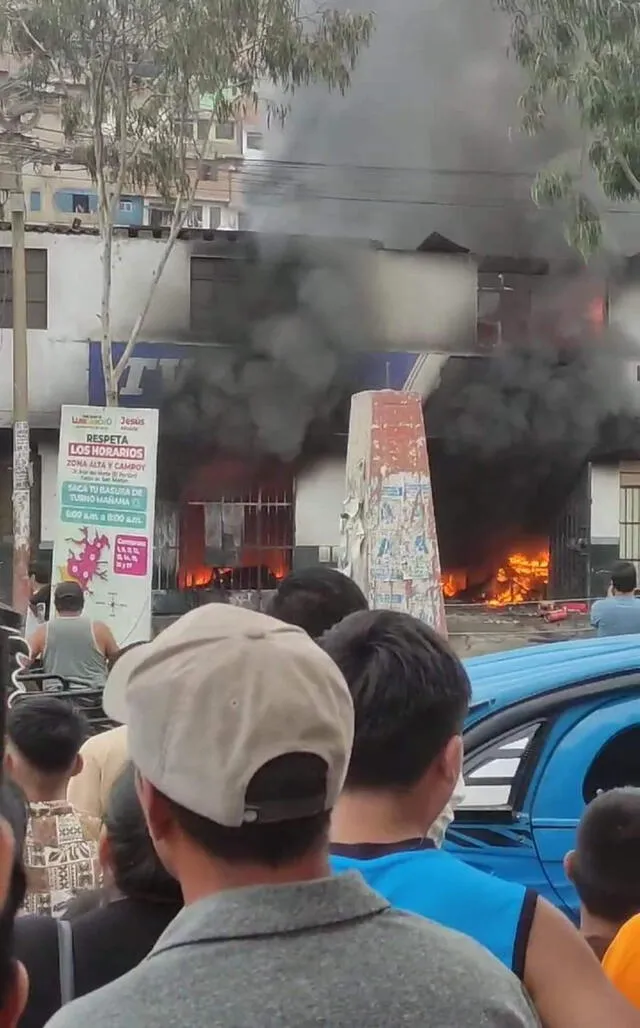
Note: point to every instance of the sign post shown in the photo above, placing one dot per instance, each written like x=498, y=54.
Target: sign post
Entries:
x=106, y=502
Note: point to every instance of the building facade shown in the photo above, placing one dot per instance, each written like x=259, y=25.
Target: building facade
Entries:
x=282, y=523
x=251, y=526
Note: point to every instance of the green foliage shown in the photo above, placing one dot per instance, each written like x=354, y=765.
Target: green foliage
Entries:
x=585, y=54
x=129, y=75
x=551, y=186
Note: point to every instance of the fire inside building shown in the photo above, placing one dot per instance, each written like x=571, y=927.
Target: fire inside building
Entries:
x=529, y=425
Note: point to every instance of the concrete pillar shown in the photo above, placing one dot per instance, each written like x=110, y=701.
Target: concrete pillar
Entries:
x=609, y=540
x=389, y=542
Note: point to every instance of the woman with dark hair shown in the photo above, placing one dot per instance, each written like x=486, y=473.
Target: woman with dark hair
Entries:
x=127, y=915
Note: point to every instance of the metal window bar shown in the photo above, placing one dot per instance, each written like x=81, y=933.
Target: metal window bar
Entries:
x=255, y=560
x=252, y=557
x=630, y=524
x=166, y=547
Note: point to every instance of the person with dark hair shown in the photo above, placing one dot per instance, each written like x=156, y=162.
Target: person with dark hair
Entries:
x=39, y=595
x=240, y=728
x=13, y=821
x=14, y=983
x=103, y=757
x=315, y=599
x=619, y=612
x=71, y=645
x=113, y=929
x=318, y=598
x=411, y=695
x=608, y=882
x=605, y=866
x=44, y=736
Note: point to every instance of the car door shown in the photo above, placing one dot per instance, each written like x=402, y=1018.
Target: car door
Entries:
x=492, y=830
x=589, y=753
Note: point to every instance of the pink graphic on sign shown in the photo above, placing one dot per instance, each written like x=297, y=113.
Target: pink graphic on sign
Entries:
x=84, y=562
x=131, y=555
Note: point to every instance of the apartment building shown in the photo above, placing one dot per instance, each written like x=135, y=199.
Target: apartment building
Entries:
x=57, y=193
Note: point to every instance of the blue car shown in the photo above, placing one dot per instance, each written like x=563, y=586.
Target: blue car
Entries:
x=549, y=728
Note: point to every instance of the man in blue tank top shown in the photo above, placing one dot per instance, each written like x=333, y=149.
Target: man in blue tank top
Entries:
x=316, y=598
x=411, y=695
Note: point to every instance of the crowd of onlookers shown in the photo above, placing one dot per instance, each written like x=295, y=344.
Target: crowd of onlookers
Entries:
x=259, y=842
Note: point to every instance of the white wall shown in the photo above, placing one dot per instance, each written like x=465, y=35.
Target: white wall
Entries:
x=75, y=283
x=319, y=499
x=58, y=373
x=58, y=355
x=48, y=452
x=605, y=503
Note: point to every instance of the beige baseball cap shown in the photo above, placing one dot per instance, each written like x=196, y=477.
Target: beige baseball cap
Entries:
x=219, y=694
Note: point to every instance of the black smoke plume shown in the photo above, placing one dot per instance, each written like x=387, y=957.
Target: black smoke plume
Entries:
x=290, y=329
x=514, y=431
x=425, y=141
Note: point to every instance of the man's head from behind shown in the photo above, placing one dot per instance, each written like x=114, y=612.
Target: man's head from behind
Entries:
x=39, y=574
x=411, y=694
x=315, y=599
x=240, y=728
x=624, y=578
x=44, y=736
x=68, y=598
x=605, y=865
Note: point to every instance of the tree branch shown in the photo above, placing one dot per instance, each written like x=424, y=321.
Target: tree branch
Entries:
x=180, y=214
x=626, y=167
x=29, y=33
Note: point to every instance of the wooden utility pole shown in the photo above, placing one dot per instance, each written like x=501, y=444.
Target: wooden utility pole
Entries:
x=21, y=440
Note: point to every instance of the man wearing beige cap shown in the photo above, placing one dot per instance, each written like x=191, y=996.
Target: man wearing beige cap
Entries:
x=241, y=730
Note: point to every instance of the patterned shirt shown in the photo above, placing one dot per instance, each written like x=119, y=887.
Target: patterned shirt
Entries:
x=60, y=856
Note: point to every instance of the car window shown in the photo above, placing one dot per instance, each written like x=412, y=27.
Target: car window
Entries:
x=617, y=764
x=492, y=772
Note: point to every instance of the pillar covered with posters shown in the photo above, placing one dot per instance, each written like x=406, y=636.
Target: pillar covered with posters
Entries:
x=389, y=540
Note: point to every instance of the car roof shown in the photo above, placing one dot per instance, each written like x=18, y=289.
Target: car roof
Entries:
x=499, y=680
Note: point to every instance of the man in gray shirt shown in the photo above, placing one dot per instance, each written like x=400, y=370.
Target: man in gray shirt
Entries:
x=619, y=612
x=241, y=729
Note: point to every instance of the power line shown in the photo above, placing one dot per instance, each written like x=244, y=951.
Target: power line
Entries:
x=393, y=169
x=276, y=162
x=497, y=204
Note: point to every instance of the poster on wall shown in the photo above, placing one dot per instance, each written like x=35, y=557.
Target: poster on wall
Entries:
x=105, y=513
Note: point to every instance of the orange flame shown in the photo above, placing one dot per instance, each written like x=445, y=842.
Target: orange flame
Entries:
x=202, y=577
x=195, y=577
x=597, y=311
x=520, y=578
x=453, y=582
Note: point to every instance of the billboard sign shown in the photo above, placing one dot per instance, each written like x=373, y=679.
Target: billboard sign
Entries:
x=106, y=500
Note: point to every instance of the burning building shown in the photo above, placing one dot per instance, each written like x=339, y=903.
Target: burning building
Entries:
x=527, y=418
x=528, y=445
x=298, y=325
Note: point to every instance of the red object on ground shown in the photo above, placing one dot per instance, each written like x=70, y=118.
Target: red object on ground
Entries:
x=556, y=615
